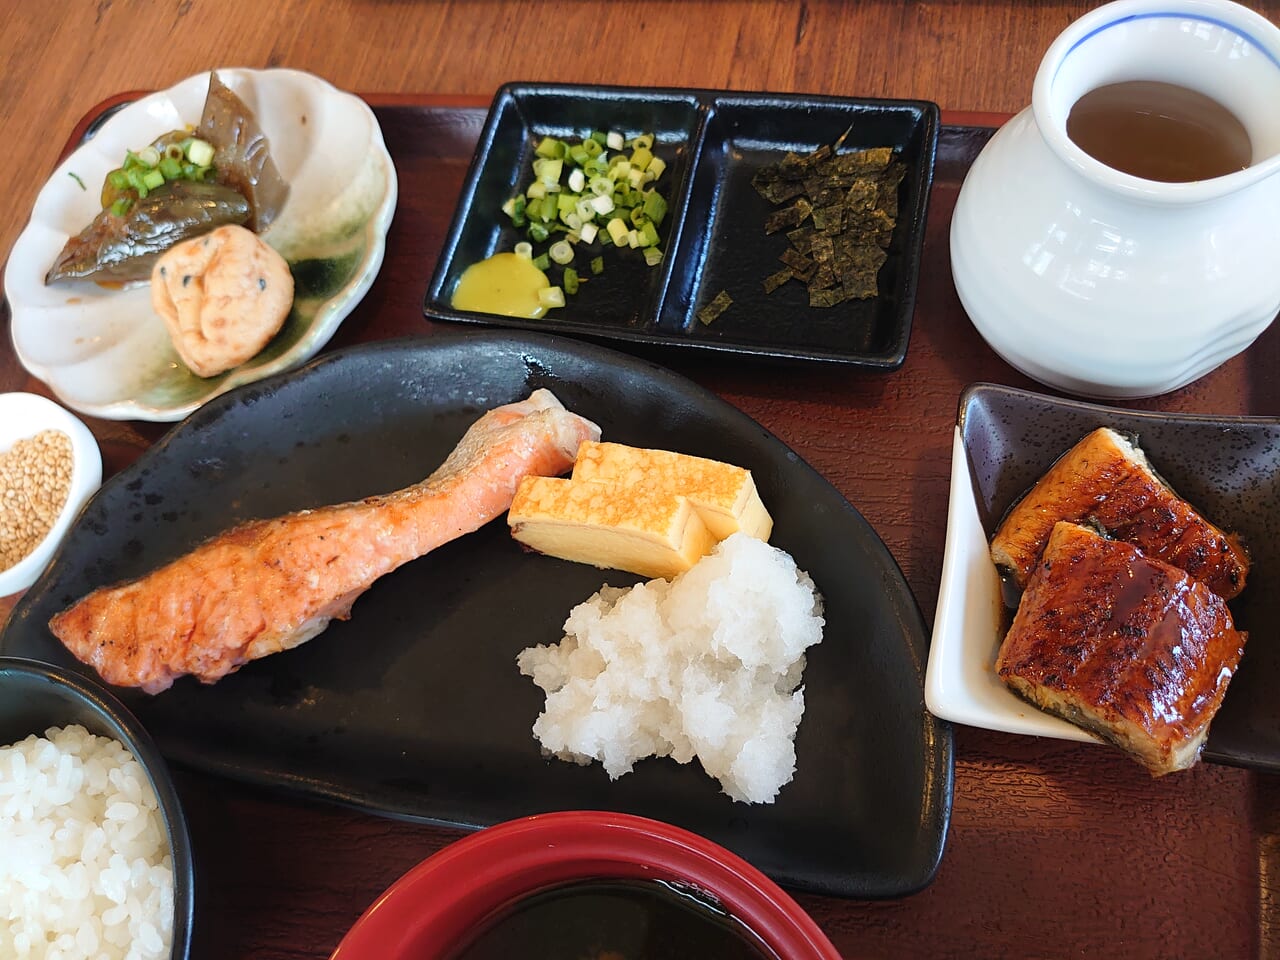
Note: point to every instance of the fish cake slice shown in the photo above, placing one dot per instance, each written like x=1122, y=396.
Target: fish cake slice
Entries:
x=1106, y=480
x=222, y=297
x=1126, y=646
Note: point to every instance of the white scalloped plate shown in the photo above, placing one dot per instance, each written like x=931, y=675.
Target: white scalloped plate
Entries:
x=105, y=352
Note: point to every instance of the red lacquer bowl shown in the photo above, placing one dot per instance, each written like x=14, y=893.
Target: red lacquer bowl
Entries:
x=430, y=910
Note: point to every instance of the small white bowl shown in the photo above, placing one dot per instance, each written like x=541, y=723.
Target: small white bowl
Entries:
x=23, y=415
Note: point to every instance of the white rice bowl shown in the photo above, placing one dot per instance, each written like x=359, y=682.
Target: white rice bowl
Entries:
x=706, y=665
x=85, y=866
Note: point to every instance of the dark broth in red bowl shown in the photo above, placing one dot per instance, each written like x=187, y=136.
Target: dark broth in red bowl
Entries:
x=585, y=885
x=614, y=920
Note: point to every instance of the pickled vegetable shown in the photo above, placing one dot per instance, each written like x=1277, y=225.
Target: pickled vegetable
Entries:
x=242, y=154
x=122, y=248
x=184, y=184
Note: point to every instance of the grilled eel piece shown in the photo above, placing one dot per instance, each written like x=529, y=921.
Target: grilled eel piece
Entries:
x=1106, y=480
x=1126, y=646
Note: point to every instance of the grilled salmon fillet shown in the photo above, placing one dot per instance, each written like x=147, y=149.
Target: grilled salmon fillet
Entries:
x=269, y=585
x=1106, y=480
x=1124, y=645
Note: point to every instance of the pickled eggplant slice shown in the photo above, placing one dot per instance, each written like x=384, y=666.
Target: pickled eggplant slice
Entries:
x=242, y=158
x=123, y=248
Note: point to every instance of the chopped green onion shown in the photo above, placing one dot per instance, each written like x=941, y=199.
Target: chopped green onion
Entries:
x=551, y=297
x=550, y=147
x=548, y=171
x=135, y=180
x=655, y=207
x=170, y=168
x=582, y=191
x=153, y=179
x=174, y=151
x=617, y=232
x=200, y=152
x=118, y=179
x=149, y=156
x=120, y=206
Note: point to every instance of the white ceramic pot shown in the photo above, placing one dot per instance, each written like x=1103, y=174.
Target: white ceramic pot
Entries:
x=1108, y=285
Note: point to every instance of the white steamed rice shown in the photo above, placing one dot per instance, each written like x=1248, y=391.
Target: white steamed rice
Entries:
x=707, y=665
x=85, y=869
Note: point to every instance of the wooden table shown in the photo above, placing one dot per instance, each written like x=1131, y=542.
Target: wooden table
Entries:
x=1055, y=849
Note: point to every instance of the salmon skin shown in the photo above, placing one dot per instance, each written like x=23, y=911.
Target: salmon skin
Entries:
x=270, y=585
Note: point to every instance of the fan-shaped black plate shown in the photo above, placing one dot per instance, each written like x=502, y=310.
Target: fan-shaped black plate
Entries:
x=414, y=707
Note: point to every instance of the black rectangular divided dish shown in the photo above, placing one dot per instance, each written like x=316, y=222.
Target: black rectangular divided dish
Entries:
x=713, y=236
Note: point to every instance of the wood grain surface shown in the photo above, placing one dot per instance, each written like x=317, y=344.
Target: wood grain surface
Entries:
x=1055, y=849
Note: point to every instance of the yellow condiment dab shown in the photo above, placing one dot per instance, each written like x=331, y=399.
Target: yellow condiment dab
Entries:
x=504, y=284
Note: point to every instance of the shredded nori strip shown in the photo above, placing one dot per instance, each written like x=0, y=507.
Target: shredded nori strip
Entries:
x=709, y=313
x=788, y=217
x=829, y=219
x=801, y=239
x=801, y=266
x=853, y=201
x=775, y=280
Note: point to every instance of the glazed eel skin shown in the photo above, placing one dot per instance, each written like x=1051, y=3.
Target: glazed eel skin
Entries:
x=1106, y=480
x=1122, y=644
